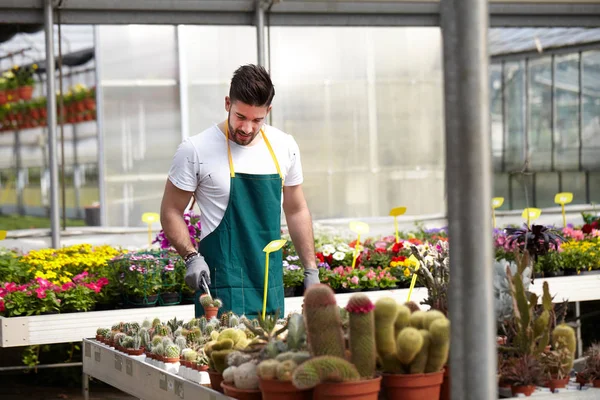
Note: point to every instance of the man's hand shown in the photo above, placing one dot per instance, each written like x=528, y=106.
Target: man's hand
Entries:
x=311, y=277
x=196, y=270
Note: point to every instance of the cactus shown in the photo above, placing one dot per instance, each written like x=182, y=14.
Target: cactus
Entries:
x=127, y=342
x=209, y=329
x=323, y=324
x=237, y=358
x=362, y=336
x=565, y=343
x=217, y=303
x=386, y=310
x=158, y=349
x=155, y=322
x=402, y=319
x=322, y=369
x=181, y=342
x=285, y=370
x=190, y=355
x=146, y=323
x=417, y=319
x=297, y=357
x=144, y=337
x=218, y=353
x=296, y=337
x=409, y=344
x=439, y=345
x=166, y=341
x=238, y=337
x=234, y=321
x=267, y=369
x=119, y=337
x=156, y=340
x=178, y=332
x=172, y=351
x=228, y=375
x=419, y=363
x=245, y=376
x=202, y=323
x=136, y=342
x=162, y=330
x=193, y=336
x=225, y=319
x=431, y=316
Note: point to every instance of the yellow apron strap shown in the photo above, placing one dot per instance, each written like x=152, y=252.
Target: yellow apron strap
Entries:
x=231, y=170
x=272, y=155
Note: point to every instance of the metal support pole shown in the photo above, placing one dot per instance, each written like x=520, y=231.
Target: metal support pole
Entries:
x=51, y=108
x=85, y=386
x=20, y=186
x=184, y=104
x=578, y=330
x=469, y=176
x=260, y=32
x=100, y=127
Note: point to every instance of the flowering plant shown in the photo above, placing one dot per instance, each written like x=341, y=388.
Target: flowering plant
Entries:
x=434, y=273
x=194, y=227
x=293, y=274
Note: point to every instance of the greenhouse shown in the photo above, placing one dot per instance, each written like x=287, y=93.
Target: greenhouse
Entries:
x=421, y=124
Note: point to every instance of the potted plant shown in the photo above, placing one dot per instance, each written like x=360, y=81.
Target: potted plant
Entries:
x=558, y=362
x=331, y=372
x=413, y=348
x=523, y=373
x=591, y=371
x=11, y=86
x=3, y=86
x=210, y=306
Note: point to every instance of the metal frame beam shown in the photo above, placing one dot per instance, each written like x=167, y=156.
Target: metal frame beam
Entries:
x=507, y=13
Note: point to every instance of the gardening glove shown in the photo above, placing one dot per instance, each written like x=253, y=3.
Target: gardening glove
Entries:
x=311, y=277
x=196, y=270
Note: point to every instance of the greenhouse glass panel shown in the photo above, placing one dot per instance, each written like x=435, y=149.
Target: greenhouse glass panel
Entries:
x=590, y=133
x=574, y=182
x=496, y=120
x=539, y=110
x=546, y=187
x=514, y=86
x=522, y=191
x=566, y=137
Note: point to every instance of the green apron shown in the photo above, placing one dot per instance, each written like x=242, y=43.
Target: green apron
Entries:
x=234, y=250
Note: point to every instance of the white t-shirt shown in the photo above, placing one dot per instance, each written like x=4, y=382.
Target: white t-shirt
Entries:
x=201, y=165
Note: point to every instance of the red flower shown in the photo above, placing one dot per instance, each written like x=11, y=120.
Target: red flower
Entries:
x=320, y=257
x=397, y=247
x=587, y=229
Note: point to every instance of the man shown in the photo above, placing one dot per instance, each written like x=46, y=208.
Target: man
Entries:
x=238, y=171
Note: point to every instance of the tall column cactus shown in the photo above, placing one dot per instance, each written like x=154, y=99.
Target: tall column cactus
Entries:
x=323, y=324
x=362, y=334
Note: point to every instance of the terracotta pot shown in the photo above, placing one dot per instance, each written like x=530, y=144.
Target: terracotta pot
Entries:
x=43, y=112
x=25, y=92
x=99, y=338
x=413, y=386
x=171, y=360
x=3, y=99
x=445, y=389
x=241, y=394
x=596, y=383
x=202, y=368
x=210, y=312
x=273, y=389
x=215, y=380
x=133, y=352
x=359, y=390
x=526, y=390
x=12, y=95
x=557, y=383
x=89, y=104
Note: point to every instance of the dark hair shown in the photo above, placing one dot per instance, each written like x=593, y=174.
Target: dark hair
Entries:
x=251, y=84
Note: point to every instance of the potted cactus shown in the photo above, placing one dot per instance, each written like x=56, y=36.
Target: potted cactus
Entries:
x=331, y=372
x=210, y=306
x=523, y=374
x=275, y=374
x=591, y=371
x=558, y=362
x=413, y=348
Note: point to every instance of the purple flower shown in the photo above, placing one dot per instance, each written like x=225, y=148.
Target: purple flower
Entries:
x=292, y=267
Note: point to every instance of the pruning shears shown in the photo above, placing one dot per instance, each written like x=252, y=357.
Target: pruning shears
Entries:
x=205, y=286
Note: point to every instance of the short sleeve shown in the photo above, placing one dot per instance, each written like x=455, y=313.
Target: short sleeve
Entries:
x=294, y=175
x=185, y=167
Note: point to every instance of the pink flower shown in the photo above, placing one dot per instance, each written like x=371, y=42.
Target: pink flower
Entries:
x=43, y=283
x=11, y=287
x=2, y=308
x=67, y=286
x=41, y=293
x=354, y=280
x=169, y=267
x=370, y=275
x=80, y=277
x=93, y=287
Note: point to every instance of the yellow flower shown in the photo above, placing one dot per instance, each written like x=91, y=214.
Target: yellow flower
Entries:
x=406, y=272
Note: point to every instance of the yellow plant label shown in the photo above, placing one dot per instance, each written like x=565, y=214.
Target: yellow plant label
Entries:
x=397, y=211
x=359, y=227
x=150, y=218
x=274, y=245
x=497, y=202
x=2, y=235
x=531, y=213
x=563, y=198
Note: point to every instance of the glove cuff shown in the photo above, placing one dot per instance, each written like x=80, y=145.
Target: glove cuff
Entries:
x=311, y=272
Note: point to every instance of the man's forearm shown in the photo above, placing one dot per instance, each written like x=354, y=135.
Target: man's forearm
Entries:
x=176, y=231
x=301, y=231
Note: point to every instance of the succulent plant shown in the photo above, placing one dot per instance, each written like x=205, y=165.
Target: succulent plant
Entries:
x=207, y=301
x=558, y=362
x=413, y=343
x=181, y=342
x=323, y=323
x=146, y=324
x=157, y=340
x=158, y=349
x=162, y=330
x=297, y=357
x=522, y=371
x=190, y=355
x=324, y=369
x=245, y=376
x=172, y=351
x=155, y=322
x=362, y=336
x=296, y=332
x=217, y=353
x=144, y=337
x=267, y=369
x=136, y=342
x=234, y=321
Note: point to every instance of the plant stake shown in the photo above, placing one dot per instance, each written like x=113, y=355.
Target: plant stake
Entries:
x=275, y=245
x=396, y=212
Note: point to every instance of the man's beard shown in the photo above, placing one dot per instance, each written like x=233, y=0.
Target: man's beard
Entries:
x=236, y=135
